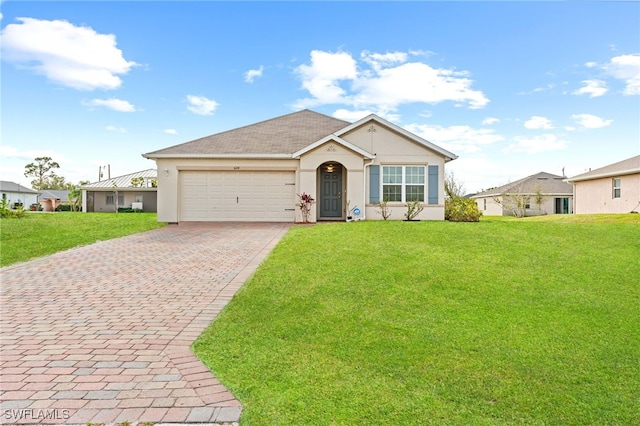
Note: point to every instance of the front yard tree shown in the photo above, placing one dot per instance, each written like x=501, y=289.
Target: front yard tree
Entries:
x=42, y=171
x=539, y=198
x=75, y=194
x=453, y=188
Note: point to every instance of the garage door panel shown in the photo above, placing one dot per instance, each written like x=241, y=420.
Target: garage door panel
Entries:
x=237, y=196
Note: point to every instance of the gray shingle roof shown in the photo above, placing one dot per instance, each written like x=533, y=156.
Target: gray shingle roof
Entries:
x=547, y=182
x=58, y=194
x=8, y=186
x=282, y=135
x=630, y=165
x=123, y=182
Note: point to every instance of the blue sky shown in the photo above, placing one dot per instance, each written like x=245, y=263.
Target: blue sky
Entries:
x=513, y=88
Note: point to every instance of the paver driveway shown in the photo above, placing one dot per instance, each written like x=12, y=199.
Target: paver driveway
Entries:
x=101, y=333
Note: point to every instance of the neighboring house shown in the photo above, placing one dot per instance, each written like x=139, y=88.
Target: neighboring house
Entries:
x=256, y=172
x=557, y=196
x=120, y=192
x=17, y=195
x=610, y=189
x=49, y=199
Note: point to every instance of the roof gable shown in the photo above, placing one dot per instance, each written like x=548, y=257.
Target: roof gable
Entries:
x=411, y=136
x=280, y=136
x=548, y=183
x=624, y=167
x=336, y=139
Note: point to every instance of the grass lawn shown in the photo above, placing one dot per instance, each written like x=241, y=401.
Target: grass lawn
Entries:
x=396, y=323
x=39, y=234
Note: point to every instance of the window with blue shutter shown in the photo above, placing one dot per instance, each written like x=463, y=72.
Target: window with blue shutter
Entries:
x=433, y=184
x=374, y=184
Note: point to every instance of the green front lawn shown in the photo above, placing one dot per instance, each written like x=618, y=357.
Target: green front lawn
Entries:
x=39, y=234
x=397, y=323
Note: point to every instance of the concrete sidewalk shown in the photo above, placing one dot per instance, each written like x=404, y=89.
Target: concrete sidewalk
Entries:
x=101, y=333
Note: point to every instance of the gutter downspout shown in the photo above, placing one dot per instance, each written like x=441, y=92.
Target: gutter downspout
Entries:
x=364, y=189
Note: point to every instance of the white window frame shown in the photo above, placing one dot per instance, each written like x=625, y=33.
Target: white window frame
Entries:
x=404, y=184
x=617, y=186
x=110, y=200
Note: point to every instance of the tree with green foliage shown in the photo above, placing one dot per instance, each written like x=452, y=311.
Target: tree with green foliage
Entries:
x=75, y=195
x=539, y=198
x=457, y=208
x=452, y=187
x=42, y=171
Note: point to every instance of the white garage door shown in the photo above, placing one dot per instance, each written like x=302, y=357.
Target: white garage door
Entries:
x=237, y=196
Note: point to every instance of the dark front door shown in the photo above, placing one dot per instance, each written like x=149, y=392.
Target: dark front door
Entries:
x=331, y=192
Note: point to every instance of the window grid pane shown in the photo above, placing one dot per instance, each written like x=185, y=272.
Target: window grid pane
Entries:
x=392, y=192
x=415, y=175
x=415, y=193
x=392, y=174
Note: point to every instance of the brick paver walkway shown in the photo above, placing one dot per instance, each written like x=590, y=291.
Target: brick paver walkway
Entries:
x=101, y=333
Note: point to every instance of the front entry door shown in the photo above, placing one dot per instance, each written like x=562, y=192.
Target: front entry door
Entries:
x=331, y=193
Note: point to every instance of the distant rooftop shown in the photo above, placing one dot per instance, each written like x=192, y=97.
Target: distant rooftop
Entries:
x=548, y=184
x=122, y=182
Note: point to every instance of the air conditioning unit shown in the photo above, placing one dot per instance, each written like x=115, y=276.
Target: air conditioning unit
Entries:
x=136, y=206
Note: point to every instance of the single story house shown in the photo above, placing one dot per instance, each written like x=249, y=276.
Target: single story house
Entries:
x=257, y=172
x=614, y=188
x=17, y=195
x=135, y=190
x=538, y=194
x=49, y=199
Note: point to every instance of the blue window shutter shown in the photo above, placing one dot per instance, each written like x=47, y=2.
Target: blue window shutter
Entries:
x=374, y=184
x=433, y=184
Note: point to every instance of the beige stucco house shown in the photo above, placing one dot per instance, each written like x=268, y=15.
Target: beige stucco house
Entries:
x=256, y=172
x=556, y=194
x=614, y=188
x=135, y=190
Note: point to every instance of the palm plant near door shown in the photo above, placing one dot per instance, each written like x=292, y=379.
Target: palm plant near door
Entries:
x=304, y=204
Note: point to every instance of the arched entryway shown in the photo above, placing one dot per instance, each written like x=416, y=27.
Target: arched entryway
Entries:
x=331, y=184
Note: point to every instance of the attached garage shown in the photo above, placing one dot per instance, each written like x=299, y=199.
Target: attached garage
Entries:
x=247, y=196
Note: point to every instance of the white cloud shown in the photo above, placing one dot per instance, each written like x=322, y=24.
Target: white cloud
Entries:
x=116, y=129
x=251, y=75
x=382, y=82
x=537, y=122
x=490, y=120
x=537, y=144
x=352, y=116
x=379, y=60
x=590, y=121
x=456, y=138
x=201, y=105
x=73, y=56
x=626, y=68
x=321, y=78
x=591, y=64
x=113, y=104
x=593, y=88
x=171, y=131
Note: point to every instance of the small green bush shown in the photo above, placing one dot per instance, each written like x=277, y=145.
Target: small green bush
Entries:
x=7, y=213
x=63, y=208
x=461, y=210
x=129, y=210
